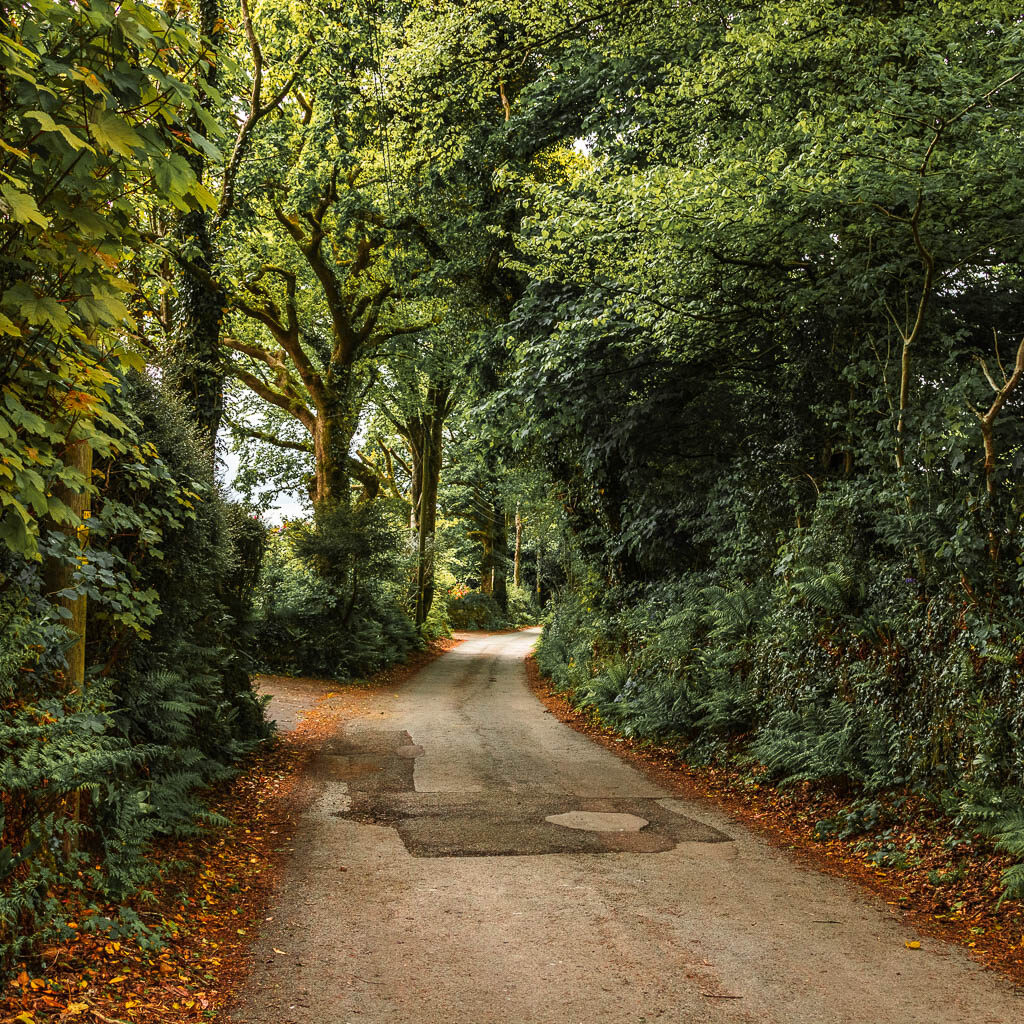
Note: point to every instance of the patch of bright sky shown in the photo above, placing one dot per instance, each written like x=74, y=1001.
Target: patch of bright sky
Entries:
x=286, y=506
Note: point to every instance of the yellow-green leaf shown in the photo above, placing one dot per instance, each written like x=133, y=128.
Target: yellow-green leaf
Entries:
x=204, y=195
x=23, y=207
x=113, y=132
x=47, y=124
x=20, y=153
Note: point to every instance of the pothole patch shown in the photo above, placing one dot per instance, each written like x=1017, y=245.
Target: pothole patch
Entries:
x=676, y=806
x=377, y=769
x=598, y=821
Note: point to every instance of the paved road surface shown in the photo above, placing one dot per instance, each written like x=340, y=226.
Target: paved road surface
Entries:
x=429, y=885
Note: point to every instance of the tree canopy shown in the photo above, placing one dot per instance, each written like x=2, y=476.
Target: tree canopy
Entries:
x=693, y=331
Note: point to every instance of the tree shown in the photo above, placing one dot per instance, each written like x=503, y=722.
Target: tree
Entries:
x=86, y=145
x=193, y=355
x=417, y=392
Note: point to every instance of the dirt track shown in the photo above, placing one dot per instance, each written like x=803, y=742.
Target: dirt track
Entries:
x=428, y=885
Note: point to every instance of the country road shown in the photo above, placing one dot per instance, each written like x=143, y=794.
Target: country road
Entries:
x=471, y=860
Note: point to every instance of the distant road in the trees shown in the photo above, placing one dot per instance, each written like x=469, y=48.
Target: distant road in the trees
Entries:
x=471, y=860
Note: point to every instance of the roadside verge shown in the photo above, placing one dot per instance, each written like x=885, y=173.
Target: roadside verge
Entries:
x=210, y=891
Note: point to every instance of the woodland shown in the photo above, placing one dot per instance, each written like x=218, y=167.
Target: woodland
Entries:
x=693, y=331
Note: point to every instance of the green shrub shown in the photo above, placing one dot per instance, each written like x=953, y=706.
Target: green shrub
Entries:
x=329, y=595
x=523, y=609
x=90, y=775
x=475, y=610
x=828, y=661
x=438, y=622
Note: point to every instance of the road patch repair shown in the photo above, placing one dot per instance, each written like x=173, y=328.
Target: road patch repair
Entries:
x=377, y=768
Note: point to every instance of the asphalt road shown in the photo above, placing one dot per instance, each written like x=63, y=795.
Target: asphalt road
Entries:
x=471, y=860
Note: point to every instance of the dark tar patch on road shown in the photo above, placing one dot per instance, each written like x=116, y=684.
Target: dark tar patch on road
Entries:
x=378, y=767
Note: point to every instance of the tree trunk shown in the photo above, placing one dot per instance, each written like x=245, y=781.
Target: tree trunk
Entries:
x=987, y=421
x=431, y=479
x=499, y=555
x=487, y=554
x=198, y=364
x=516, y=564
x=425, y=539
x=425, y=437
x=415, y=485
x=59, y=576
x=59, y=573
x=336, y=424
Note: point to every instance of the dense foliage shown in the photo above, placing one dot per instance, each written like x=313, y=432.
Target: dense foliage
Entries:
x=327, y=602
x=97, y=760
x=772, y=352
x=697, y=328
x=93, y=772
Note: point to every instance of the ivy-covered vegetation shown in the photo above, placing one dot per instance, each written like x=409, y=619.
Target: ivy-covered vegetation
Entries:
x=697, y=330
x=111, y=719
x=329, y=600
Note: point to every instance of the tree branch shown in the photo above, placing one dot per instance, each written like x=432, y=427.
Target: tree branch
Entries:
x=373, y=313
x=282, y=401
x=257, y=111
x=261, y=435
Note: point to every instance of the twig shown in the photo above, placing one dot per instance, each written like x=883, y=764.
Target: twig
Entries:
x=106, y=1020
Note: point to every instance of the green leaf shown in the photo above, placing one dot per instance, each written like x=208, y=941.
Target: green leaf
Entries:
x=23, y=418
x=204, y=144
x=204, y=195
x=174, y=178
x=44, y=309
x=15, y=534
x=19, y=153
x=92, y=225
x=103, y=309
x=114, y=133
x=47, y=124
x=61, y=513
x=23, y=207
x=90, y=81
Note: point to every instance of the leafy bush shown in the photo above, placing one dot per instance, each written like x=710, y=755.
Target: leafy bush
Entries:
x=1009, y=837
x=474, y=609
x=438, y=622
x=329, y=595
x=90, y=775
x=836, y=665
x=523, y=609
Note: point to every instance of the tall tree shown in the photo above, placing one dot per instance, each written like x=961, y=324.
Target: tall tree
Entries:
x=195, y=357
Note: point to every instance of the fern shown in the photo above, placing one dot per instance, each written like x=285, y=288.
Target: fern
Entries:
x=824, y=589
x=1008, y=833
x=727, y=611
